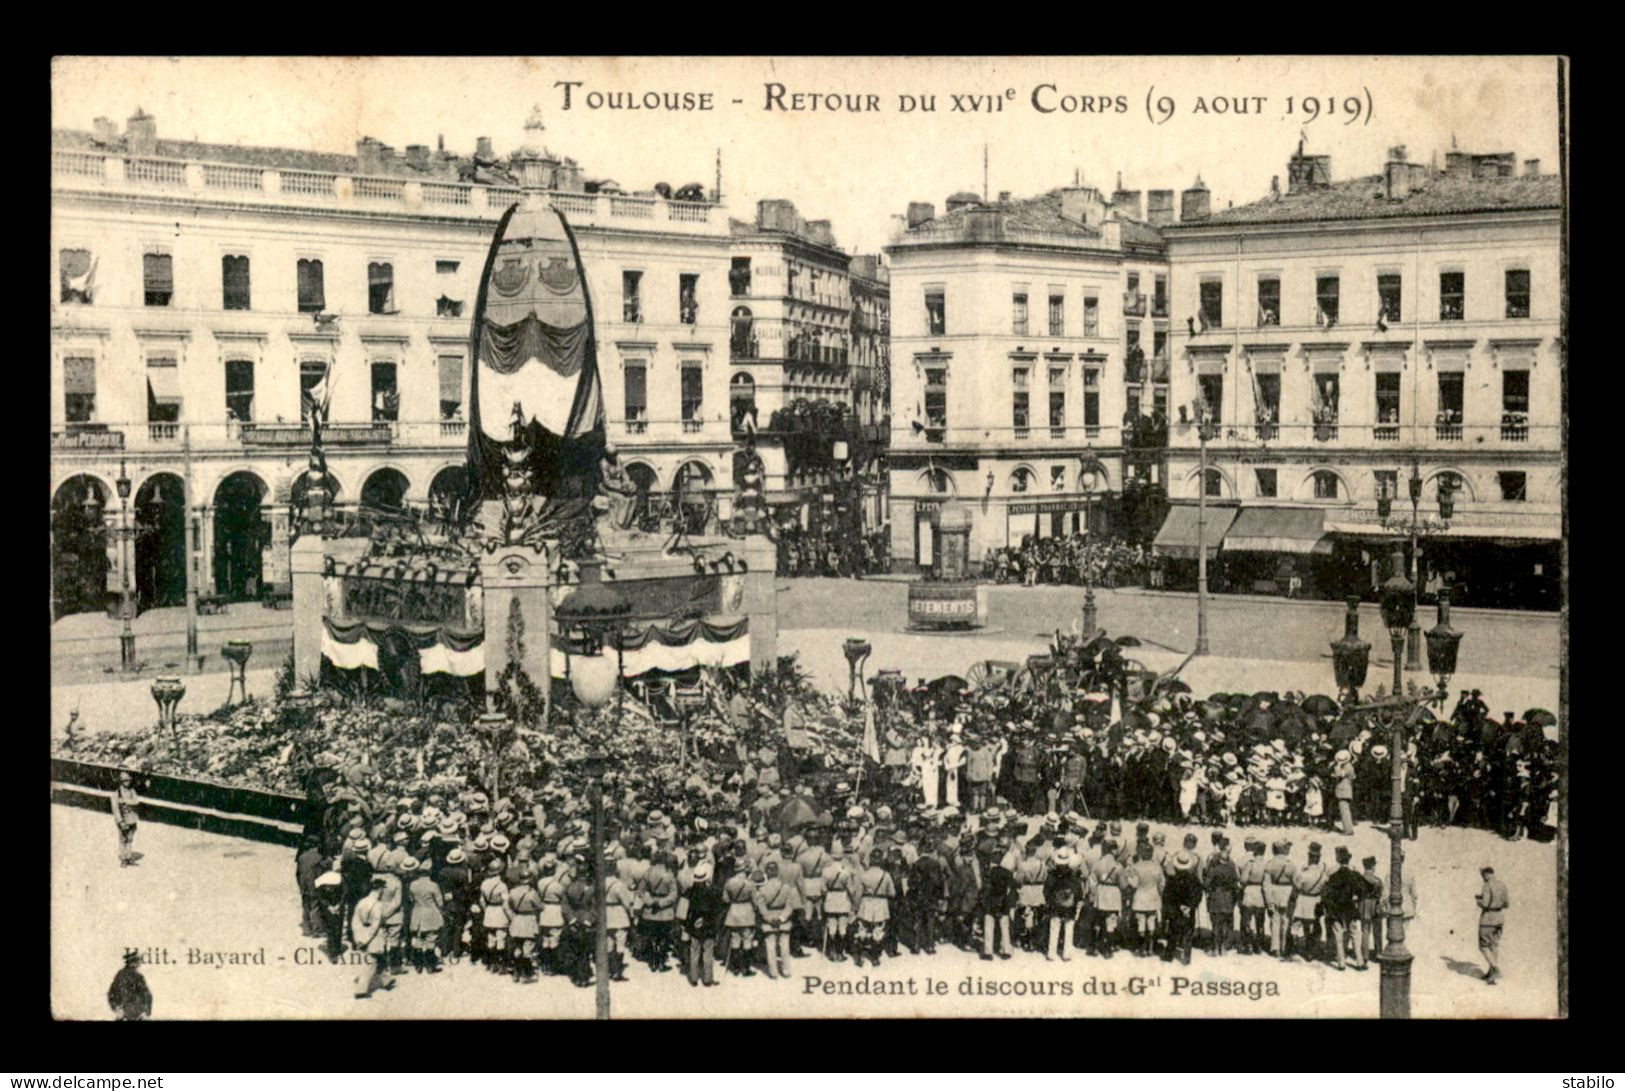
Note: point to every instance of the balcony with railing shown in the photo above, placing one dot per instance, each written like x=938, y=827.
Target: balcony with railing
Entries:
x=163, y=432
x=1515, y=427
x=1447, y=428
x=1134, y=304
x=156, y=172
x=238, y=179
x=1159, y=306
x=76, y=168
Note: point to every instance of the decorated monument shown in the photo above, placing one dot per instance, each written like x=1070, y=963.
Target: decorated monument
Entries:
x=476, y=592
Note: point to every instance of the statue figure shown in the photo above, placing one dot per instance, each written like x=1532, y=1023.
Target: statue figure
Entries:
x=617, y=495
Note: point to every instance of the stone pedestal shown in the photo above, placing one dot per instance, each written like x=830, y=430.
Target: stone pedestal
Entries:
x=760, y=603
x=305, y=562
x=515, y=581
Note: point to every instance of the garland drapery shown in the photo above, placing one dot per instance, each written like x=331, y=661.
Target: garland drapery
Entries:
x=663, y=645
x=441, y=650
x=675, y=646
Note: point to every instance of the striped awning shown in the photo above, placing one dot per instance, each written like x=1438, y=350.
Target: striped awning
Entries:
x=1178, y=535
x=1279, y=530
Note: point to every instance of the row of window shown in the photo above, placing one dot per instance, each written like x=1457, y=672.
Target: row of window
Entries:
x=77, y=270
x=1514, y=484
x=164, y=388
x=691, y=394
x=1324, y=395
x=1390, y=293
x=688, y=297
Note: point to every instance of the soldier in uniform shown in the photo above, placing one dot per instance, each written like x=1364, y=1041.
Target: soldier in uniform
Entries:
x=1279, y=873
x=1492, y=900
x=550, y=888
x=876, y=891
x=427, y=902
x=524, y=906
x=1308, y=885
x=1063, y=892
x=367, y=930
x=494, y=916
x=1147, y=881
x=737, y=949
x=1029, y=876
x=658, y=911
x=1223, y=885
x=838, y=880
x=619, y=905
x=455, y=883
x=811, y=860
x=776, y=897
x=580, y=918
x=1108, y=883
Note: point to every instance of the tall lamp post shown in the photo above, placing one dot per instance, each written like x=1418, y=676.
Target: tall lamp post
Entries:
x=1414, y=530
x=1204, y=432
x=126, y=637
x=1351, y=656
x=1398, y=612
x=1088, y=479
x=599, y=613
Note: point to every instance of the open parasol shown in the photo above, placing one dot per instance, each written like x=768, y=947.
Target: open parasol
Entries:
x=793, y=814
x=1319, y=705
x=1540, y=717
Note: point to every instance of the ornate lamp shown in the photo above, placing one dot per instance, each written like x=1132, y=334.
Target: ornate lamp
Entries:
x=1089, y=478
x=167, y=693
x=236, y=652
x=1351, y=656
x=1398, y=600
x=1443, y=644
x=856, y=651
x=598, y=611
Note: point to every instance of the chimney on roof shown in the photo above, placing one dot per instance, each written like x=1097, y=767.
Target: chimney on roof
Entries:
x=1160, y=207
x=106, y=131
x=1494, y=165
x=1004, y=196
x=1531, y=168
x=482, y=148
x=1275, y=187
x=142, y=131
x=418, y=156
x=821, y=232
x=1196, y=203
x=1308, y=172
x=1126, y=202
x=368, y=160
x=962, y=199
x=1083, y=205
x=920, y=212
x=776, y=214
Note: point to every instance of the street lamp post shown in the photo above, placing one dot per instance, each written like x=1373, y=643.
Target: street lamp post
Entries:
x=1398, y=612
x=1351, y=656
x=599, y=612
x=1414, y=531
x=1088, y=479
x=1203, y=434
x=126, y=637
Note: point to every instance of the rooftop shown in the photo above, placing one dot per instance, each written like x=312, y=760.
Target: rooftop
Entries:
x=1431, y=193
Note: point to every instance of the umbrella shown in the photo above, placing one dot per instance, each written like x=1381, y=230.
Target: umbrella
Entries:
x=1126, y=641
x=1176, y=686
x=1539, y=717
x=1320, y=705
x=793, y=813
x=951, y=683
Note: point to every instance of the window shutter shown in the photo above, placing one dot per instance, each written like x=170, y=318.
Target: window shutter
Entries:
x=158, y=272
x=79, y=375
x=451, y=379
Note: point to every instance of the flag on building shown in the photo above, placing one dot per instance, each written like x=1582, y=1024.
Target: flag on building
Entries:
x=536, y=364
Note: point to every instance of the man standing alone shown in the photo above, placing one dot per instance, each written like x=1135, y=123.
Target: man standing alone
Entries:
x=125, y=802
x=1492, y=906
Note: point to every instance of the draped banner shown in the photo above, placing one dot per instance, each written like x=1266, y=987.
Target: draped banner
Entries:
x=441, y=650
x=535, y=360
x=676, y=646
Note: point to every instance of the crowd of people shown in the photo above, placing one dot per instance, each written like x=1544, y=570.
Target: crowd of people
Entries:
x=995, y=821
x=802, y=553
x=1074, y=559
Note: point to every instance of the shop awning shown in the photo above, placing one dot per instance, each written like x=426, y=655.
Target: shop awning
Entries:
x=1177, y=538
x=164, y=384
x=1279, y=530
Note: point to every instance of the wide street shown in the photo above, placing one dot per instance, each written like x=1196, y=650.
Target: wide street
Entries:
x=196, y=896
x=1256, y=644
